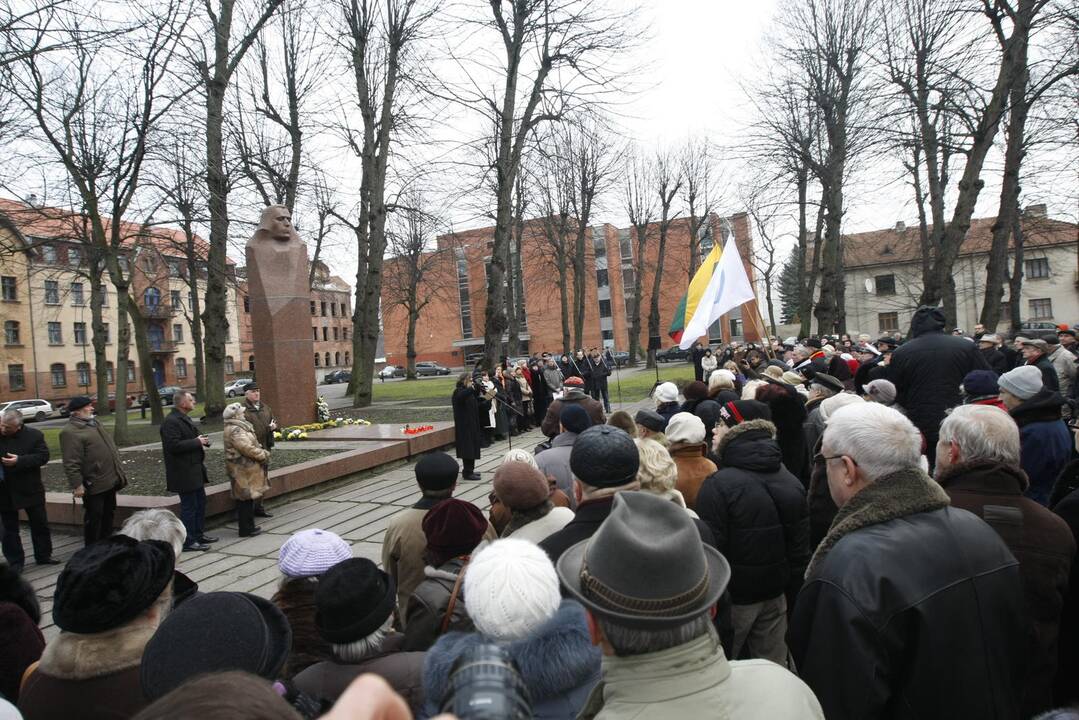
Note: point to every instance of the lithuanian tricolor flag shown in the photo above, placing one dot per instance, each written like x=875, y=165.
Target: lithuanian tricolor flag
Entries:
x=692, y=298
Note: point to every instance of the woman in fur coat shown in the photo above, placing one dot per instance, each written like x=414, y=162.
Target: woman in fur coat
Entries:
x=246, y=465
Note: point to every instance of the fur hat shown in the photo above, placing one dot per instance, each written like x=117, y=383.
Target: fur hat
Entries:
x=696, y=390
x=666, y=392
x=453, y=527
x=980, y=382
x=1024, y=381
x=685, y=428
x=437, y=471
x=214, y=633
x=830, y=405
x=312, y=552
x=520, y=486
x=353, y=599
x=111, y=582
x=511, y=589
x=739, y=411
x=650, y=419
x=574, y=418
x=604, y=456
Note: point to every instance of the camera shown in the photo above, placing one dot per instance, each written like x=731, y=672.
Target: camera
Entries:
x=484, y=684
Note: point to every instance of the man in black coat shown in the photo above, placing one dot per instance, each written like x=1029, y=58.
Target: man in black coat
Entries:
x=468, y=436
x=989, y=347
x=911, y=608
x=600, y=371
x=1036, y=353
x=757, y=511
x=929, y=370
x=185, y=469
x=23, y=452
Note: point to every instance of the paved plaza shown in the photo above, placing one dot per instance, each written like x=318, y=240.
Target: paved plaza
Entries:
x=358, y=511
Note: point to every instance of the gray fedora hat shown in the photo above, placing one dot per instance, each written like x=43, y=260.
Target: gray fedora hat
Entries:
x=645, y=566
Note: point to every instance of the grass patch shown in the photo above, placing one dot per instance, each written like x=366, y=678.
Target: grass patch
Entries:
x=636, y=386
x=440, y=388
x=145, y=469
x=395, y=415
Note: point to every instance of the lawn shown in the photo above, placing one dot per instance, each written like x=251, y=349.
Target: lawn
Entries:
x=436, y=388
x=145, y=469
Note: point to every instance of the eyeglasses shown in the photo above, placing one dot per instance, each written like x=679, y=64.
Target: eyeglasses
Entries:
x=819, y=457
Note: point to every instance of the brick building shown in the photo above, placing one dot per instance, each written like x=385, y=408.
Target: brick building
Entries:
x=451, y=326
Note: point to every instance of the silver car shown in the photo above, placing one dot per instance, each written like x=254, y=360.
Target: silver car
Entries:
x=31, y=409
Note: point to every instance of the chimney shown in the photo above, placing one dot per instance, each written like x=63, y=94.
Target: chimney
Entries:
x=1038, y=210
x=900, y=227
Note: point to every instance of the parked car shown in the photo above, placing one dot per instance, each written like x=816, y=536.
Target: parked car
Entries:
x=672, y=354
x=621, y=357
x=391, y=371
x=165, y=392
x=62, y=411
x=1041, y=328
x=473, y=358
x=237, y=386
x=424, y=369
x=337, y=376
x=31, y=409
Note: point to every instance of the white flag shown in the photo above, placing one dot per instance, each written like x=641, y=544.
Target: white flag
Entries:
x=729, y=288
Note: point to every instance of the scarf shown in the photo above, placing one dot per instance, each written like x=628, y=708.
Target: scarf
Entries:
x=898, y=494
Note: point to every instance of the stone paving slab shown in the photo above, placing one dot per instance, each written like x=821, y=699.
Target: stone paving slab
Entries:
x=358, y=511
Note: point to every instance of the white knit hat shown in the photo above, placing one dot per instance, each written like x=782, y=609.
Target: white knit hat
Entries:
x=666, y=392
x=830, y=405
x=312, y=552
x=511, y=589
x=1024, y=381
x=686, y=428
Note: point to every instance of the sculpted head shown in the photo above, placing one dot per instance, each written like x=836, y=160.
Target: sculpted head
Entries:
x=276, y=224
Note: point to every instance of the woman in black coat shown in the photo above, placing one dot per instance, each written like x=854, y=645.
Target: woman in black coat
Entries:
x=466, y=425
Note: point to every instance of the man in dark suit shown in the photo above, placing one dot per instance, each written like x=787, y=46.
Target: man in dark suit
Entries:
x=185, y=469
x=22, y=454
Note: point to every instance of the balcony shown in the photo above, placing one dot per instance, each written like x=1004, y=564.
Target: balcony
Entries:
x=152, y=311
x=162, y=347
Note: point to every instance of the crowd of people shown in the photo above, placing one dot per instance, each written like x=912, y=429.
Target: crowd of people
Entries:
x=838, y=529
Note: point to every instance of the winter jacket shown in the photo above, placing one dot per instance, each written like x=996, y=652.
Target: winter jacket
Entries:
x=1066, y=690
x=23, y=644
x=1044, y=547
x=1046, y=443
x=822, y=508
x=553, y=377
x=328, y=680
x=928, y=371
x=429, y=603
x=590, y=515
x=758, y=513
x=996, y=360
x=554, y=463
x=669, y=410
x=594, y=408
x=557, y=662
x=538, y=530
x=20, y=485
x=693, y=468
x=185, y=469
x=245, y=460
x=260, y=419
x=1064, y=365
x=90, y=677
x=466, y=422
x=1050, y=381
x=813, y=427
x=709, y=363
x=695, y=680
x=90, y=457
x=911, y=609
x=789, y=416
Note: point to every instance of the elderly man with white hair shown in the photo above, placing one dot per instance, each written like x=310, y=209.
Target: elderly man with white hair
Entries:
x=978, y=466
x=911, y=608
x=163, y=525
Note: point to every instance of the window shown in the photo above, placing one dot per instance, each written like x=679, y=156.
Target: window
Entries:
x=230, y=366
x=337, y=358
x=82, y=370
x=151, y=298
x=9, y=288
x=105, y=333
x=1041, y=309
x=125, y=266
x=52, y=292
x=74, y=256
x=59, y=374
x=110, y=373
x=629, y=279
x=323, y=308
x=251, y=363
x=462, y=291
x=177, y=333
x=16, y=380
x=174, y=298
x=130, y=372
x=181, y=368
x=333, y=309
x=314, y=309
x=327, y=359
x=344, y=333
x=346, y=359
x=56, y=334
x=104, y=297
x=1037, y=268
x=11, y=332
x=601, y=278
x=736, y=327
x=48, y=254
x=604, y=308
x=344, y=310
x=228, y=333
x=336, y=333
x=607, y=334
x=625, y=248
x=80, y=333
x=325, y=333
x=1005, y=309
x=599, y=244
x=77, y=297
x=314, y=333
x=190, y=299
x=147, y=264
x=174, y=268
x=318, y=359
x=247, y=304
x=885, y=284
x=888, y=322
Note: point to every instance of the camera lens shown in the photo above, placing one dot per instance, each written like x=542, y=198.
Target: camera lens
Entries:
x=484, y=684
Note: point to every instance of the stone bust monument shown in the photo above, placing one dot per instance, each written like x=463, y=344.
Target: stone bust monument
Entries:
x=280, y=257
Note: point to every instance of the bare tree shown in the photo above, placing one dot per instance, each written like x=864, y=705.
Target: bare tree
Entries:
x=553, y=184
x=325, y=216
x=515, y=300
x=640, y=204
x=698, y=194
x=765, y=213
x=666, y=183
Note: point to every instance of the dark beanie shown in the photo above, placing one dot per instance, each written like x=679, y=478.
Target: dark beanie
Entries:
x=353, y=599
x=111, y=582
x=696, y=390
x=740, y=411
x=437, y=471
x=574, y=418
x=214, y=633
x=453, y=527
x=650, y=419
x=980, y=382
x=604, y=456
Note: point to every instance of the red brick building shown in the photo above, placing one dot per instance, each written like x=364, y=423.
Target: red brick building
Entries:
x=451, y=326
